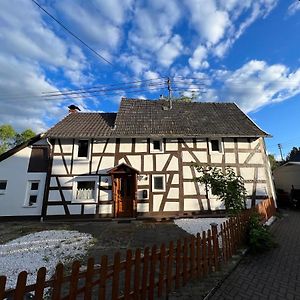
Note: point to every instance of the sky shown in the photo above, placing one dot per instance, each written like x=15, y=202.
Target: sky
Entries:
x=247, y=52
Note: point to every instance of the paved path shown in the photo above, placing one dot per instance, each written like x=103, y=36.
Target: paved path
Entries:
x=274, y=275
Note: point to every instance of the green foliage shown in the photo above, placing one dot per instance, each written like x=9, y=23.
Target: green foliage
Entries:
x=10, y=138
x=260, y=239
x=273, y=162
x=24, y=136
x=228, y=186
x=294, y=154
x=184, y=98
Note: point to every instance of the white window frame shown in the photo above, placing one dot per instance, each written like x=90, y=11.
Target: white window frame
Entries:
x=85, y=178
x=164, y=183
x=76, y=148
x=152, y=150
x=30, y=192
x=3, y=191
x=221, y=148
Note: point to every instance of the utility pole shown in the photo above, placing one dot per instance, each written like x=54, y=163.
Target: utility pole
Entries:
x=169, y=92
x=280, y=150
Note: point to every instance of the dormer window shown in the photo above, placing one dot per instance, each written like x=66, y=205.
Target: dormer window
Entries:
x=83, y=149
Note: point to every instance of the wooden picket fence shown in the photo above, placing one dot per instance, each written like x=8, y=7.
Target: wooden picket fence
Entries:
x=151, y=273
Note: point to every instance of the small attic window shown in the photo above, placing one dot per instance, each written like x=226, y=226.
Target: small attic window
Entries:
x=157, y=146
x=3, y=184
x=215, y=145
x=83, y=148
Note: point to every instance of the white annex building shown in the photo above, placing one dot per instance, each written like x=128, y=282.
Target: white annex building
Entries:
x=136, y=162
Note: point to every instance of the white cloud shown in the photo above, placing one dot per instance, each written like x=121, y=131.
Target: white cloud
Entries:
x=198, y=60
x=256, y=84
x=168, y=52
x=293, y=8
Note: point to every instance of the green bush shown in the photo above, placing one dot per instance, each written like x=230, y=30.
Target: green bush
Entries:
x=260, y=239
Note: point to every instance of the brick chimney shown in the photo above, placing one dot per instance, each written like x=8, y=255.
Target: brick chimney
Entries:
x=73, y=109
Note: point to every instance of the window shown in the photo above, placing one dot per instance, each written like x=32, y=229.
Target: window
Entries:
x=32, y=193
x=83, y=149
x=156, y=146
x=84, y=190
x=216, y=146
x=3, y=184
x=158, y=183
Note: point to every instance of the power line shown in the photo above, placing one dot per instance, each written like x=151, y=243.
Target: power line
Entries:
x=70, y=32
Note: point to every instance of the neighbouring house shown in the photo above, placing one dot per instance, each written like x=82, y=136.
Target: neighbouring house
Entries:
x=136, y=162
x=287, y=176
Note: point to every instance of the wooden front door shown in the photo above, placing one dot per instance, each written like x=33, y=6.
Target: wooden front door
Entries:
x=124, y=193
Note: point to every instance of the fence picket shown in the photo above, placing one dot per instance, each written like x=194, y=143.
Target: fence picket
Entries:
x=74, y=280
x=145, y=273
x=178, y=264
x=209, y=251
x=161, y=280
x=137, y=272
x=89, y=279
x=103, y=275
x=192, y=257
x=170, y=267
x=215, y=240
x=40, y=282
x=21, y=286
x=58, y=279
x=128, y=264
x=204, y=254
x=116, y=276
x=198, y=255
x=185, y=261
x=2, y=287
x=152, y=272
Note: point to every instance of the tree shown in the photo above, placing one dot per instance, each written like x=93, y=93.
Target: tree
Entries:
x=24, y=136
x=294, y=154
x=184, y=98
x=10, y=138
x=7, y=135
x=228, y=186
x=273, y=162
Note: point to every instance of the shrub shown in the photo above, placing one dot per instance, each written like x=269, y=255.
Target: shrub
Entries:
x=260, y=239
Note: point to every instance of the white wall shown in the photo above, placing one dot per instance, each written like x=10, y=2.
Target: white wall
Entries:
x=286, y=176
x=14, y=170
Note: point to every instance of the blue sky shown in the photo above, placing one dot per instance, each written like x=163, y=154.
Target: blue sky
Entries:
x=225, y=50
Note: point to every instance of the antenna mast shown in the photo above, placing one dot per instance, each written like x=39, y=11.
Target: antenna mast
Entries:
x=169, y=92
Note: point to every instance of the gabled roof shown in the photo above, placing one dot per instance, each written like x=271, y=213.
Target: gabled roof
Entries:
x=145, y=118
x=17, y=148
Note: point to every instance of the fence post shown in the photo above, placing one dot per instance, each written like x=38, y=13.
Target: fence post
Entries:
x=198, y=255
x=192, y=257
x=2, y=286
x=204, y=254
x=58, y=279
x=214, y=230
x=145, y=273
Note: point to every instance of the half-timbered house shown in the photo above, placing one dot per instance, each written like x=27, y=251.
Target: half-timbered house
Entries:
x=137, y=162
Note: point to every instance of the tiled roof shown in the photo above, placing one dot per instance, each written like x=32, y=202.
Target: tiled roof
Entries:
x=145, y=118
x=83, y=125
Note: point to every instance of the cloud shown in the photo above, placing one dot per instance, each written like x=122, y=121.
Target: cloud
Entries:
x=293, y=8
x=198, y=60
x=257, y=84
